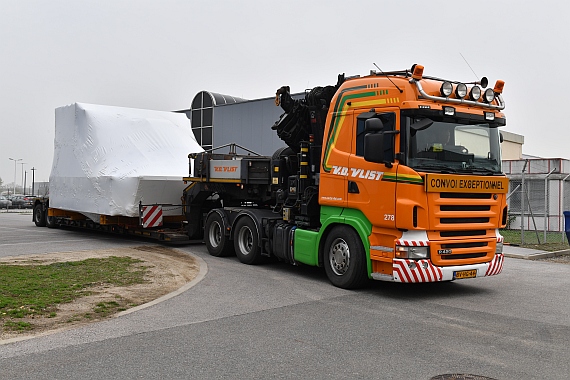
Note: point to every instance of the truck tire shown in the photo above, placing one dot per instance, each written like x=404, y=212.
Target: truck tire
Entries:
x=39, y=216
x=51, y=221
x=246, y=241
x=217, y=242
x=344, y=258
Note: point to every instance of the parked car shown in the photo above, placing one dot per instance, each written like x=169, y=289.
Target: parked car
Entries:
x=29, y=201
x=17, y=201
x=5, y=202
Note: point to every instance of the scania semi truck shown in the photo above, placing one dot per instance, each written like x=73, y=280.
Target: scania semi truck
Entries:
x=394, y=176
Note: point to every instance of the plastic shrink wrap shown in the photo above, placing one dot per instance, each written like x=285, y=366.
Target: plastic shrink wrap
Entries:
x=108, y=159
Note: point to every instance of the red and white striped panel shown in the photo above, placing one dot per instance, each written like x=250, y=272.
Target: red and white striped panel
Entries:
x=413, y=239
x=496, y=265
x=500, y=238
x=151, y=216
x=412, y=243
x=416, y=271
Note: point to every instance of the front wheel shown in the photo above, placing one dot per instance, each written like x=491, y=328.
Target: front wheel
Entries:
x=344, y=258
x=39, y=216
x=246, y=241
x=216, y=241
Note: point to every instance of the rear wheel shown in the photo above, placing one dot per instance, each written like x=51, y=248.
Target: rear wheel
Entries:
x=217, y=242
x=39, y=216
x=344, y=258
x=246, y=241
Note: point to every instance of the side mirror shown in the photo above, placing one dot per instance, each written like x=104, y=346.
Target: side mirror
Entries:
x=374, y=146
x=373, y=125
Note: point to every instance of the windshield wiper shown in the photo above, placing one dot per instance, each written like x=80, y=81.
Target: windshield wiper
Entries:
x=476, y=169
x=435, y=167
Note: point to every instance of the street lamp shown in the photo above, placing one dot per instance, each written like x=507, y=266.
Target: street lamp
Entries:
x=15, y=168
x=33, y=178
x=23, y=190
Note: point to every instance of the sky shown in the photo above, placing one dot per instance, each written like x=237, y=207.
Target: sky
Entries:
x=159, y=54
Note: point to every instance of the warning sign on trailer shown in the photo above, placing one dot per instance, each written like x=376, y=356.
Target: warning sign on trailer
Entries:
x=465, y=184
x=151, y=216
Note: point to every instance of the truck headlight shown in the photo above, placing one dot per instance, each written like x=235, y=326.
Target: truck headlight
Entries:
x=404, y=252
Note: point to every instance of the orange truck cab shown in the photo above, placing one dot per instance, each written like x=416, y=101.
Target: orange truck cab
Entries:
x=413, y=165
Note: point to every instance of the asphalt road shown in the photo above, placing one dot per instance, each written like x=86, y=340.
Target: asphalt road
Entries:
x=279, y=321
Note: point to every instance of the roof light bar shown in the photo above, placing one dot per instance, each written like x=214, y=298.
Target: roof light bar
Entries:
x=473, y=98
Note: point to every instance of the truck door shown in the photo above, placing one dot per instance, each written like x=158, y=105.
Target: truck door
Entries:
x=372, y=186
x=334, y=168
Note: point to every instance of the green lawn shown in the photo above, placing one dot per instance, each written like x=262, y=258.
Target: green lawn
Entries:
x=553, y=240
x=36, y=290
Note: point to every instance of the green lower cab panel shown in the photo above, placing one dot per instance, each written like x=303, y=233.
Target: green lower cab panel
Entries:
x=306, y=247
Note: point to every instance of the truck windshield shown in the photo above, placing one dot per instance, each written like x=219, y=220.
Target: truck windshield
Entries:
x=447, y=147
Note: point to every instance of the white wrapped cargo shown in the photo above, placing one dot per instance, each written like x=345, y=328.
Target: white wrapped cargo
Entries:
x=108, y=159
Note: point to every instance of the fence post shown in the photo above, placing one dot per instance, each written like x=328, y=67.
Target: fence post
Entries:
x=546, y=201
x=563, y=217
x=523, y=190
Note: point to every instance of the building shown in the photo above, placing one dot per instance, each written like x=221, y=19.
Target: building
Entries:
x=218, y=120
x=511, y=147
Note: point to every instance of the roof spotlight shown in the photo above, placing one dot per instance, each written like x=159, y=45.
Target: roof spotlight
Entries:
x=446, y=89
x=475, y=93
x=489, y=95
x=461, y=90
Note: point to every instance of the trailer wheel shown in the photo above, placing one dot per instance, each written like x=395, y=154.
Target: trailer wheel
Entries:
x=39, y=216
x=51, y=221
x=344, y=258
x=246, y=241
x=217, y=242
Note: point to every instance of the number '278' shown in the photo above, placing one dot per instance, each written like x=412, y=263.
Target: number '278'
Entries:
x=389, y=217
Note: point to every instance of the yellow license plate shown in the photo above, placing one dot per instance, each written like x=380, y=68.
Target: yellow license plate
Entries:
x=465, y=274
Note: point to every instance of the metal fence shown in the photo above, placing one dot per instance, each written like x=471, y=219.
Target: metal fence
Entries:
x=536, y=205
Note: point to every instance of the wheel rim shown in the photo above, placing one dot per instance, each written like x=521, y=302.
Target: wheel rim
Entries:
x=245, y=240
x=215, y=234
x=339, y=256
x=37, y=216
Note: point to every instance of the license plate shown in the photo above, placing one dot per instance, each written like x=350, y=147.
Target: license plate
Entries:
x=465, y=274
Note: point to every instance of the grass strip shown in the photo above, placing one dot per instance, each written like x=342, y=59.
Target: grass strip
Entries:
x=36, y=290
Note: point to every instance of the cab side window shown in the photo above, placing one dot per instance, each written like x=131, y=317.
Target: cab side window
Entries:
x=388, y=120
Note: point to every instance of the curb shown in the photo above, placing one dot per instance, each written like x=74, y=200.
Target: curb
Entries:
x=538, y=256
x=199, y=277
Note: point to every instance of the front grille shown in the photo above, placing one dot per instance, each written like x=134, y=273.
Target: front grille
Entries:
x=465, y=225
x=464, y=211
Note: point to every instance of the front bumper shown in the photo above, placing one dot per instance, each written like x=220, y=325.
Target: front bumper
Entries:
x=411, y=271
